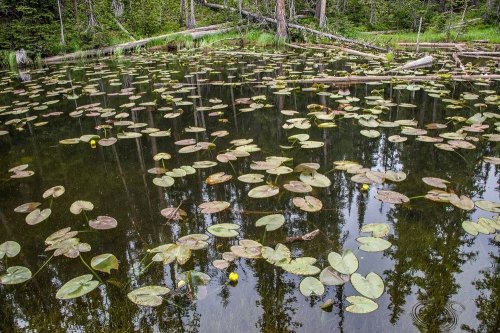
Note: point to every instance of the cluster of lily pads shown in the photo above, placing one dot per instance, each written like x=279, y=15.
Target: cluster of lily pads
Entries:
x=173, y=99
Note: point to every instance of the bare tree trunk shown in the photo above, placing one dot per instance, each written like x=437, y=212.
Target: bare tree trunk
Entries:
x=372, y=12
x=281, y=20
x=181, y=13
x=186, y=14
x=63, y=42
x=91, y=20
x=291, y=10
x=193, y=18
x=321, y=12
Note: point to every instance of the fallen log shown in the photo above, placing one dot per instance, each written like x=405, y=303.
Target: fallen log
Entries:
x=294, y=26
x=333, y=47
x=130, y=45
x=377, y=78
x=466, y=53
x=433, y=45
x=458, y=62
x=422, y=62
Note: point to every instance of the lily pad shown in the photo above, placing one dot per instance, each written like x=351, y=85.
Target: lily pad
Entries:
x=308, y=203
x=9, y=249
x=226, y=230
x=301, y=266
x=38, y=216
x=361, y=304
x=315, y=179
x=461, y=202
x=54, y=192
x=247, y=248
x=330, y=277
x=377, y=229
x=15, y=275
x=27, y=207
x=103, y=223
x=263, y=191
x=251, y=178
x=391, y=197
x=217, y=178
x=298, y=187
x=436, y=182
x=77, y=287
x=347, y=263
x=271, y=222
x=212, y=207
x=488, y=206
x=278, y=256
x=311, y=286
x=148, y=296
x=372, y=286
x=104, y=263
x=173, y=213
x=80, y=205
x=373, y=244
x=164, y=181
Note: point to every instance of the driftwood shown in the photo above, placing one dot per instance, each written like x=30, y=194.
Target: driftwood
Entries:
x=212, y=29
x=294, y=26
x=333, y=47
x=467, y=53
x=365, y=79
x=433, y=45
x=306, y=237
x=422, y=62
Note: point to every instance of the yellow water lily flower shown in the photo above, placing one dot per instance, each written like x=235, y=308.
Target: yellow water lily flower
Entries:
x=233, y=277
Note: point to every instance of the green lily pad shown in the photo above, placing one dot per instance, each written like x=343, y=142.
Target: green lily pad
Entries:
x=263, y=191
x=347, y=263
x=148, y=296
x=104, y=263
x=226, y=230
x=372, y=286
x=470, y=228
x=330, y=277
x=370, y=133
x=278, y=256
x=377, y=229
x=373, y=244
x=193, y=241
x=311, y=286
x=488, y=206
x=315, y=179
x=9, y=249
x=301, y=266
x=16, y=275
x=271, y=222
x=361, y=304
x=77, y=287
x=164, y=181
x=168, y=253
x=298, y=187
x=38, y=216
x=251, y=178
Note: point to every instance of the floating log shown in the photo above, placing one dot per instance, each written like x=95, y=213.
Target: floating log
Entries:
x=422, y=62
x=433, y=45
x=212, y=29
x=294, y=26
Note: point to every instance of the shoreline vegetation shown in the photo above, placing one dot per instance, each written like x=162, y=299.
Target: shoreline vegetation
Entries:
x=118, y=26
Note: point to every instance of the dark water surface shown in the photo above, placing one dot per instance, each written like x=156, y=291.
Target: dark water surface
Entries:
x=437, y=277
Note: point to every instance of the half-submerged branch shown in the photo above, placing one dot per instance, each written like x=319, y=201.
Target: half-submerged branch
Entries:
x=377, y=78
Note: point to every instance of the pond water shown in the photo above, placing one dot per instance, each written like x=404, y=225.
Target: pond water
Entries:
x=436, y=277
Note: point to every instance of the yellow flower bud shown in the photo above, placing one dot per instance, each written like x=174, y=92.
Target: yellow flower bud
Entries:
x=93, y=143
x=233, y=277
x=181, y=284
x=365, y=187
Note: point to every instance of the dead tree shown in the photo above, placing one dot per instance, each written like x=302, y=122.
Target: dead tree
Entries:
x=282, y=32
